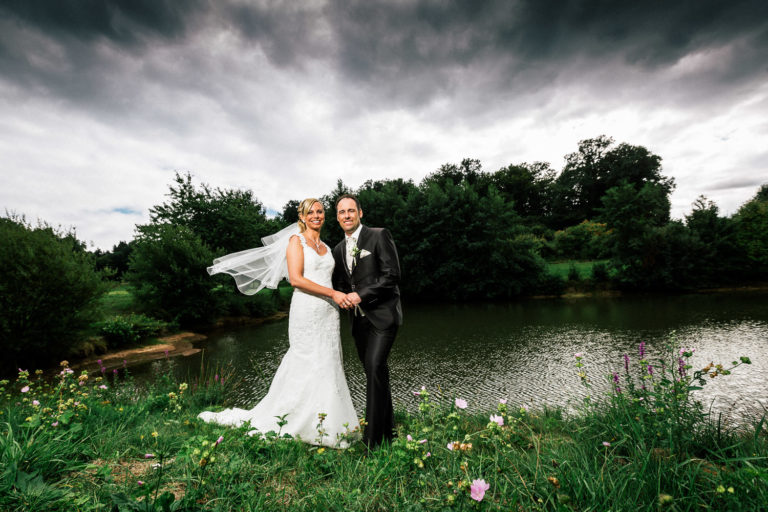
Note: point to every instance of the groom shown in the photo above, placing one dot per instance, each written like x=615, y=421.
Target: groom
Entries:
x=367, y=269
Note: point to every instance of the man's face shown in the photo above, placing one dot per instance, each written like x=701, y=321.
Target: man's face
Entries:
x=348, y=215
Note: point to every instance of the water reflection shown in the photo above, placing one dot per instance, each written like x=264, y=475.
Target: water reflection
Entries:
x=523, y=351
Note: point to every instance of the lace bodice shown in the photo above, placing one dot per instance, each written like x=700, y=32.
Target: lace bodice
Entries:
x=317, y=268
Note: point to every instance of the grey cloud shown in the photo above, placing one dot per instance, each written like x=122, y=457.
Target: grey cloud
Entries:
x=122, y=21
x=738, y=182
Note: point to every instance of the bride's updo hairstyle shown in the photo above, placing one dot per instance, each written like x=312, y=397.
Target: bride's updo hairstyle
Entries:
x=303, y=210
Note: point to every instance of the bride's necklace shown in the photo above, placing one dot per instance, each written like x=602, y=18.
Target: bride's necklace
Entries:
x=316, y=243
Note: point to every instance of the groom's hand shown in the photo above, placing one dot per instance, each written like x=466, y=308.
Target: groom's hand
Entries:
x=342, y=300
x=354, y=298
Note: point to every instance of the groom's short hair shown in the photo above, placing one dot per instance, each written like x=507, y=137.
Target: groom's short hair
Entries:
x=348, y=196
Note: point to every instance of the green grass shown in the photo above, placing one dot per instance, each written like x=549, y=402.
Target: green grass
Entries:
x=562, y=268
x=118, y=300
x=615, y=455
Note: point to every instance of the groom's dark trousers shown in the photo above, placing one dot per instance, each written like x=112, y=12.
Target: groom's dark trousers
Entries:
x=375, y=275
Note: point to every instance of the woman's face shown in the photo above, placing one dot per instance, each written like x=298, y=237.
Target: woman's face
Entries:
x=315, y=217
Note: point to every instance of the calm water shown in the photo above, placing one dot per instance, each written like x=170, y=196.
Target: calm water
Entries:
x=523, y=351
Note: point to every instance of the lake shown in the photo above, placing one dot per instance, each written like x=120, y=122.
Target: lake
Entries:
x=524, y=351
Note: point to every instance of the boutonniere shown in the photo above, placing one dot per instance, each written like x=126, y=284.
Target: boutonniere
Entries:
x=356, y=251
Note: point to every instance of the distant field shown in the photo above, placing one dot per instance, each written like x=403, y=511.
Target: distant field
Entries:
x=584, y=268
x=118, y=300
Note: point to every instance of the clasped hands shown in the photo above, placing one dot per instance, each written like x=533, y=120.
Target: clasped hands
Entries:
x=346, y=300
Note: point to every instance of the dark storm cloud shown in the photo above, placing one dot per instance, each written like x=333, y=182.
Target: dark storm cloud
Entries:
x=122, y=21
x=527, y=42
x=406, y=52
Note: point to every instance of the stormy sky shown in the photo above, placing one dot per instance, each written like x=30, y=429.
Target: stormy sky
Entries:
x=102, y=101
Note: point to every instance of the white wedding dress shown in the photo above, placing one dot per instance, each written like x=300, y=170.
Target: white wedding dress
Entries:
x=310, y=379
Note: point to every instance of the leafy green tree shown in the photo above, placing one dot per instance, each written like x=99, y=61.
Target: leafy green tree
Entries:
x=528, y=187
x=638, y=244
x=752, y=230
x=48, y=293
x=115, y=260
x=718, y=258
x=168, y=271
x=458, y=244
x=226, y=220
x=596, y=168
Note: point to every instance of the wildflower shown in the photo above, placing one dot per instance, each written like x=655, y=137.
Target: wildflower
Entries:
x=524, y=408
x=102, y=387
x=99, y=361
x=140, y=482
x=497, y=419
x=35, y=403
x=450, y=446
x=219, y=440
x=477, y=489
x=681, y=367
x=422, y=441
x=606, y=444
x=320, y=451
x=166, y=353
x=578, y=355
x=429, y=454
x=103, y=369
x=155, y=434
x=641, y=349
x=149, y=455
x=460, y=403
x=409, y=438
x=650, y=370
x=125, y=363
x=55, y=424
x=502, y=401
x=114, y=372
x=626, y=363
x=25, y=389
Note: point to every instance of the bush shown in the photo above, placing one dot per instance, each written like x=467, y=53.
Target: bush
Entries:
x=48, y=293
x=128, y=329
x=585, y=241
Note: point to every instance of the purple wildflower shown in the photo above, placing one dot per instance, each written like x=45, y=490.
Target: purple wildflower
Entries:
x=641, y=349
x=681, y=367
x=650, y=370
x=626, y=363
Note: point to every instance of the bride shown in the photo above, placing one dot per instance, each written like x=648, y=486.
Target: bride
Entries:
x=309, y=390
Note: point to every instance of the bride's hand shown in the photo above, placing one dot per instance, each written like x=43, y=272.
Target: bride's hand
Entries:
x=341, y=299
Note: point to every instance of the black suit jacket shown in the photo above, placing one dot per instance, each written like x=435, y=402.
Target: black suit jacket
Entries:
x=374, y=277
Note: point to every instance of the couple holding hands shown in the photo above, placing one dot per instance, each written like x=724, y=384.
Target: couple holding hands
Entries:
x=360, y=275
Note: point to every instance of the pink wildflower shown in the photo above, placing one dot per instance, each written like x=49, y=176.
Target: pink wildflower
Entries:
x=55, y=424
x=25, y=389
x=502, y=400
x=149, y=455
x=450, y=446
x=103, y=386
x=477, y=489
x=578, y=355
x=460, y=403
x=35, y=403
x=408, y=437
x=497, y=419
x=219, y=440
x=606, y=444
x=422, y=441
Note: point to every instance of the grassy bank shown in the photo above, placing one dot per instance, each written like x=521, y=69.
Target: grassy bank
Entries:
x=107, y=444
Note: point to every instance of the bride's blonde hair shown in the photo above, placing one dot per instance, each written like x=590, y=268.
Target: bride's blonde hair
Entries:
x=303, y=210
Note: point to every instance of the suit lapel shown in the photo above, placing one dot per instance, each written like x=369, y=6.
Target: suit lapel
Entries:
x=362, y=239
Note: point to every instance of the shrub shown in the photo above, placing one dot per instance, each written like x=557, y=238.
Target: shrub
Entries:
x=48, y=292
x=128, y=329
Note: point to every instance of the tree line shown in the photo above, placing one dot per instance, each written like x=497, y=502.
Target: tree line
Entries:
x=462, y=233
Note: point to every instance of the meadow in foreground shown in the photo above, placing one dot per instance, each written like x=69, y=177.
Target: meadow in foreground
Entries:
x=99, y=441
